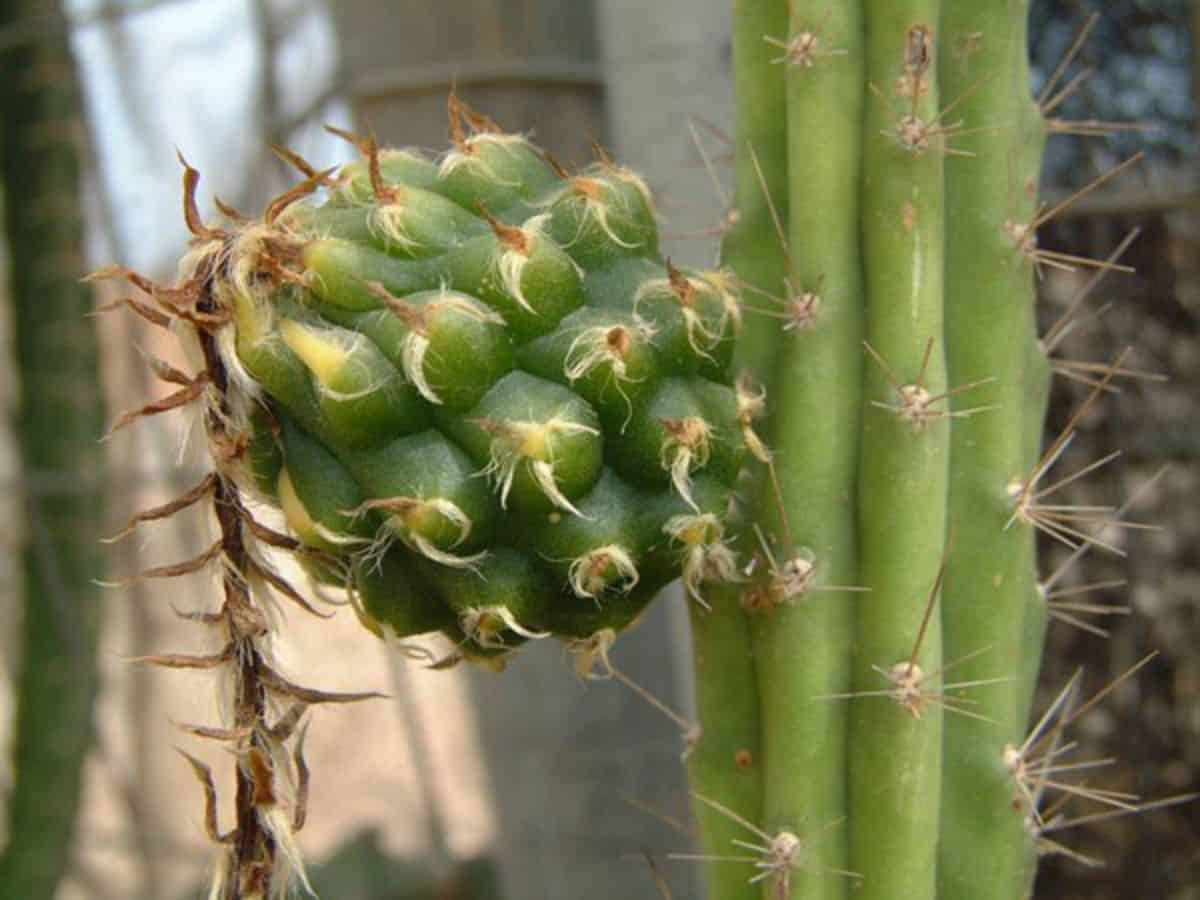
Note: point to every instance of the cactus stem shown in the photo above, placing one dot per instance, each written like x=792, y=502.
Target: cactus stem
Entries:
x=789, y=583
x=915, y=404
x=799, y=310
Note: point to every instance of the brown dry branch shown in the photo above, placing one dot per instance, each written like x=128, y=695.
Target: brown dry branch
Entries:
x=258, y=858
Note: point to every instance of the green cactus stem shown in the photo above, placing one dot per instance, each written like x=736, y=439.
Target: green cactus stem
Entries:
x=991, y=600
x=802, y=630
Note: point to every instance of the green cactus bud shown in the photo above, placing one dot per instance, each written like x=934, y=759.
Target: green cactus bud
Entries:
x=482, y=401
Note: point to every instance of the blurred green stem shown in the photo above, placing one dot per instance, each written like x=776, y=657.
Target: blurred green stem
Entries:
x=61, y=414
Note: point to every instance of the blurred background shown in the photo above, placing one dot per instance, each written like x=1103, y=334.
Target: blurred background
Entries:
x=463, y=784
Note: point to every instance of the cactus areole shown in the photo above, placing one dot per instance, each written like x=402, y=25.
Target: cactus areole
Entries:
x=481, y=399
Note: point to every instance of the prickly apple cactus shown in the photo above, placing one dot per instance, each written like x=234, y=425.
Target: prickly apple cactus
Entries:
x=481, y=399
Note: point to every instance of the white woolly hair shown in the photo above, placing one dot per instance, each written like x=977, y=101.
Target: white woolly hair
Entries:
x=477, y=624
x=510, y=263
x=591, y=655
x=414, y=346
x=685, y=448
x=396, y=527
x=596, y=209
x=506, y=453
x=387, y=221
x=460, y=157
x=705, y=556
x=751, y=404
x=703, y=336
x=589, y=575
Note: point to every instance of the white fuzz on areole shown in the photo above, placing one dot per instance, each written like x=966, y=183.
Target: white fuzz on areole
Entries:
x=467, y=155
x=486, y=626
x=706, y=557
x=630, y=177
x=463, y=305
x=413, y=347
x=685, y=448
x=590, y=655
x=514, y=443
x=907, y=679
x=596, y=571
x=244, y=265
x=915, y=406
x=387, y=221
x=750, y=405
x=727, y=288
x=201, y=257
x=587, y=192
x=685, y=291
x=402, y=520
x=510, y=263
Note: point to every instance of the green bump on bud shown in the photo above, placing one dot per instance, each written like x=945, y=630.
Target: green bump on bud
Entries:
x=594, y=553
x=503, y=172
x=524, y=276
x=500, y=602
x=617, y=610
x=361, y=396
x=696, y=318
x=409, y=223
x=327, y=491
x=608, y=357
x=432, y=499
x=396, y=166
x=263, y=454
x=342, y=273
x=395, y=601
x=539, y=443
x=688, y=426
x=603, y=214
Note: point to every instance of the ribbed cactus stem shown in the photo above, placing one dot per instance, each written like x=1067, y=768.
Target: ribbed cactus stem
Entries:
x=991, y=600
x=896, y=738
x=802, y=641
x=727, y=761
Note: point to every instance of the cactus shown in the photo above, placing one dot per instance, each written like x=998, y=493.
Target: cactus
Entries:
x=486, y=406
x=483, y=403
x=884, y=233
